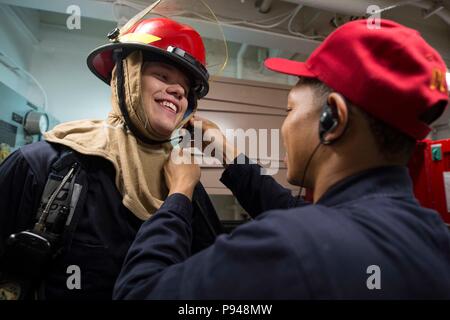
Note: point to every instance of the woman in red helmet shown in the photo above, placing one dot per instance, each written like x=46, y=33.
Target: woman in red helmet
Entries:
x=113, y=169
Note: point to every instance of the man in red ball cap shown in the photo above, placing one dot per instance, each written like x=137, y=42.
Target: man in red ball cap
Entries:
x=363, y=99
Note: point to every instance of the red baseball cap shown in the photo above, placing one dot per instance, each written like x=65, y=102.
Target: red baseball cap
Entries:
x=390, y=72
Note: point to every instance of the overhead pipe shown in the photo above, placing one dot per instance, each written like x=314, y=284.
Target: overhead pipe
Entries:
x=433, y=11
x=240, y=60
x=265, y=6
x=429, y=6
x=353, y=7
x=359, y=7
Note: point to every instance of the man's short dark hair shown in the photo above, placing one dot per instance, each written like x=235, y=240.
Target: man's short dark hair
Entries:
x=391, y=142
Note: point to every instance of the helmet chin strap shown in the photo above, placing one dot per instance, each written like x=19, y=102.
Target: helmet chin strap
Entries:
x=118, y=57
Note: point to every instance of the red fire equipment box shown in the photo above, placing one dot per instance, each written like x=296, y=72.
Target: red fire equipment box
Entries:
x=430, y=172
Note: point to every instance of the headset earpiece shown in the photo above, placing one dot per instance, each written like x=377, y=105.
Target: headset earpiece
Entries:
x=328, y=121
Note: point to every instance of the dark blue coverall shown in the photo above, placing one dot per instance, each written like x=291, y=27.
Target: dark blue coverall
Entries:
x=366, y=238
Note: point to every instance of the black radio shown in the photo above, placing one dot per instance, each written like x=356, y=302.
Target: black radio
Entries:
x=28, y=253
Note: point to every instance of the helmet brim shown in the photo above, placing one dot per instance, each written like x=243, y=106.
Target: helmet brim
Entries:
x=101, y=63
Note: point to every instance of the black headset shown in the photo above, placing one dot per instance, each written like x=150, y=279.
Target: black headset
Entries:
x=329, y=120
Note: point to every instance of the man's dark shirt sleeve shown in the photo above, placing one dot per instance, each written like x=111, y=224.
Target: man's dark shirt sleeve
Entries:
x=158, y=265
x=256, y=192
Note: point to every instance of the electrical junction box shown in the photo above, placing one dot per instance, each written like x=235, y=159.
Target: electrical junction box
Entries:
x=21, y=122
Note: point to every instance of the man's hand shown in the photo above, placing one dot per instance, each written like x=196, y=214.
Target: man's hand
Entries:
x=224, y=151
x=183, y=177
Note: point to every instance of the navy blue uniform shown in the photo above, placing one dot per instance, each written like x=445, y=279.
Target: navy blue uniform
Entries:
x=104, y=228
x=292, y=250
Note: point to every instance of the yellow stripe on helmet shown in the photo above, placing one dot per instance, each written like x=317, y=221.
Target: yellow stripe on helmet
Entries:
x=139, y=37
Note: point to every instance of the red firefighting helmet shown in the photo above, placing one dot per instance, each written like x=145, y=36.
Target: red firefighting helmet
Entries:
x=160, y=39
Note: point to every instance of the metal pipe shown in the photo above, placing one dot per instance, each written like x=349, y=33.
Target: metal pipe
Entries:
x=240, y=60
x=429, y=13
x=444, y=14
x=265, y=6
x=353, y=7
x=359, y=7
